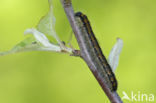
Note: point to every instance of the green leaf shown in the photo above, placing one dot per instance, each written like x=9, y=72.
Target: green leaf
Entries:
x=47, y=24
x=28, y=44
x=113, y=59
x=41, y=38
x=40, y=42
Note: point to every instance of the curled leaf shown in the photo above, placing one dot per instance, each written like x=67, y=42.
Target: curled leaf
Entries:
x=47, y=24
x=40, y=37
x=115, y=53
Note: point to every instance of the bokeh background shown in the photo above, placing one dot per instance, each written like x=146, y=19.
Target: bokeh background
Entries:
x=45, y=77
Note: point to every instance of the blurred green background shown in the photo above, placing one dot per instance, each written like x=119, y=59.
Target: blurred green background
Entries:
x=45, y=77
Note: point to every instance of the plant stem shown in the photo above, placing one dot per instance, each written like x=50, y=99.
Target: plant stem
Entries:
x=113, y=96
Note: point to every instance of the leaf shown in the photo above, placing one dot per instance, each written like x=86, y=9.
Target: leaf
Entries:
x=37, y=43
x=115, y=53
x=47, y=24
x=41, y=38
x=40, y=42
x=26, y=45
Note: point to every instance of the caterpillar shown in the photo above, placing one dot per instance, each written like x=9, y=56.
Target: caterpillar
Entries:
x=95, y=52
